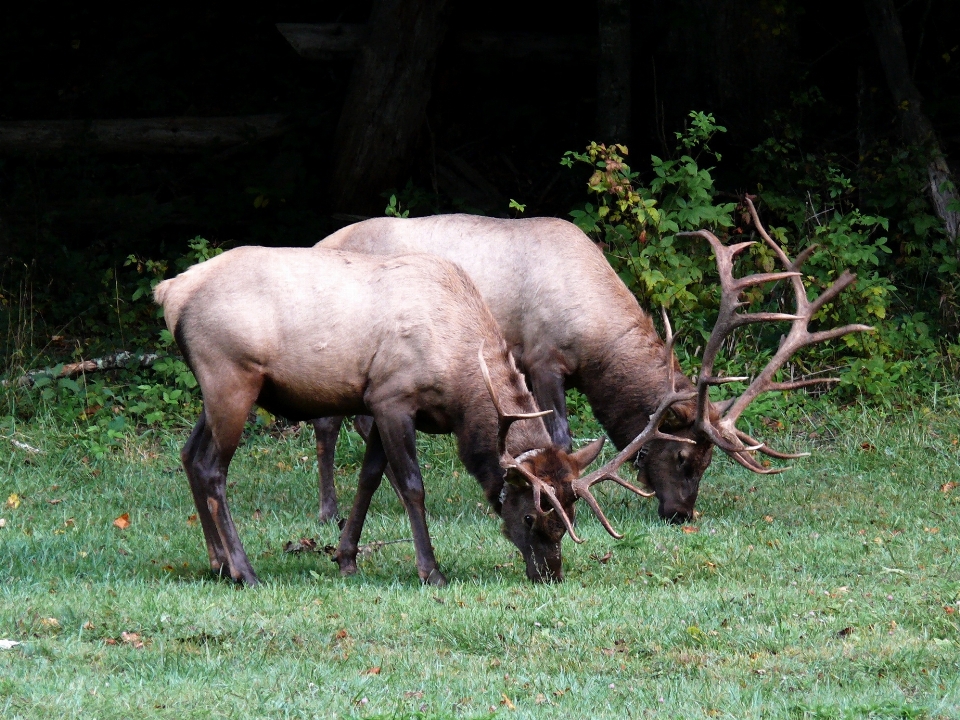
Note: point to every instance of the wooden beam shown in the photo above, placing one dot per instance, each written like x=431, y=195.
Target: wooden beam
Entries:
x=325, y=41
x=148, y=135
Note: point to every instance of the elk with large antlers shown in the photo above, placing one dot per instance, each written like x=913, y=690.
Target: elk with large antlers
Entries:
x=571, y=322
x=306, y=333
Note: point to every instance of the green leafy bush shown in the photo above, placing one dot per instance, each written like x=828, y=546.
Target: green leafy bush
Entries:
x=105, y=409
x=806, y=199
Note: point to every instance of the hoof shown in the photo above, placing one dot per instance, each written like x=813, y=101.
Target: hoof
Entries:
x=435, y=578
x=348, y=565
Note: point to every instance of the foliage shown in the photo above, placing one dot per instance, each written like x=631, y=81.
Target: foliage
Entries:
x=106, y=411
x=638, y=223
x=807, y=199
x=884, y=231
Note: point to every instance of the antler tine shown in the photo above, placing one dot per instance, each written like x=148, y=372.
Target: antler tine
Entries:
x=766, y=450
x=504, y=420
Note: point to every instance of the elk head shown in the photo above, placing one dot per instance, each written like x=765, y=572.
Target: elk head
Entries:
x=715, y=423
x=542, y=485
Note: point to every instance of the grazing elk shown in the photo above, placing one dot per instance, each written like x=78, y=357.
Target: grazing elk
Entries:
x=306, y=333
x=571, y=322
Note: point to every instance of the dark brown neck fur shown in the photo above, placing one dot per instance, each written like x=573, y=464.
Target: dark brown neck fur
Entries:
x=626, y=384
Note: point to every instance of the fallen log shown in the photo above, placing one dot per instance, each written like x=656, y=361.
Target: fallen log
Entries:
x=115, y=361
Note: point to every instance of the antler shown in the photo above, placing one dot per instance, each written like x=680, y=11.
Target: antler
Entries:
x=582, y=485
x=507, y=461
x=724, y=432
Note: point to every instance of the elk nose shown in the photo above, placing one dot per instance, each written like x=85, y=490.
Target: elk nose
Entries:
x=676, y=517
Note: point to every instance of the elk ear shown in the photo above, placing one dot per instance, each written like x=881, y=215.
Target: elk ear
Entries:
x=587, y=454
x=673, y=421
x=516, y=478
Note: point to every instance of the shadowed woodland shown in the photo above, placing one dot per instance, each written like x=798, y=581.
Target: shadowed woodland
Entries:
x=125, y=136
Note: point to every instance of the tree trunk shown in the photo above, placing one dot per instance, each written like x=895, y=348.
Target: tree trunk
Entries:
x=148, y=135
x=386, y=102
x=613, y=72
x=915, y=126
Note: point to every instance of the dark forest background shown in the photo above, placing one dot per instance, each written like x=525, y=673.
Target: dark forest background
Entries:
x=448, y=106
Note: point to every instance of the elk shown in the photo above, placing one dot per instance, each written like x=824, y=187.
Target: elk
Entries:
x=306, y=333
x=571, y=322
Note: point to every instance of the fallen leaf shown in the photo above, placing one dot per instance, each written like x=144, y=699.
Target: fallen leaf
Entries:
x=768, y=518
x=13, y=502
x=132, y=639
x=418, y=694
x=192, y=520
x=375, y=670
x=50, y=622
x=869, y=447
x=540, y=699
x=88, y=625
x=949, y=609
x=55, y=501
x=506, y=701
x=295, y=546
x=844, y=632
x=603, y=559
x=690, y=529
x=257, y=515
x=948, y=486
x=342, y=634
x=122, y=522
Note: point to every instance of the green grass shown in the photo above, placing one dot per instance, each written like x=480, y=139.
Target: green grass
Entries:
x=830, y=591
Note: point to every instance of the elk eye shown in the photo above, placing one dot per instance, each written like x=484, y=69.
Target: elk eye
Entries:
x=528, y=519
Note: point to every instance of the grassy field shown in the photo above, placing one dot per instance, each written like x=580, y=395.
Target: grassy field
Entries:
x=830, y=591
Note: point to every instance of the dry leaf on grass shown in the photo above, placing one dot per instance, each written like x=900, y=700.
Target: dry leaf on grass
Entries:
x=122, y=522
x=132, y=639
x=13, y=501
x=295, y=546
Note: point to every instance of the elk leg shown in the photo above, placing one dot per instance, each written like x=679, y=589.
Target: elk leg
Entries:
x=400, y=444
x=196, y=453
x=206, y=457
x=548, y=390
x=327, y=430
x=374, y=461
x=363, y=424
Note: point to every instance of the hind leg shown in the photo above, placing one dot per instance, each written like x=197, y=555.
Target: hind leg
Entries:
x=327, y=429
x=374, y=461
x=206, y=458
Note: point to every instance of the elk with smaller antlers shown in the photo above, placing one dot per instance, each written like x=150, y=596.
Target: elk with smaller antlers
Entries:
x=306, y=333
x=570, y=322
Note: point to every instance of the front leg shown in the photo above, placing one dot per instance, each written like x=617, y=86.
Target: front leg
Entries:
x=399, y=437
x=548, y=389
